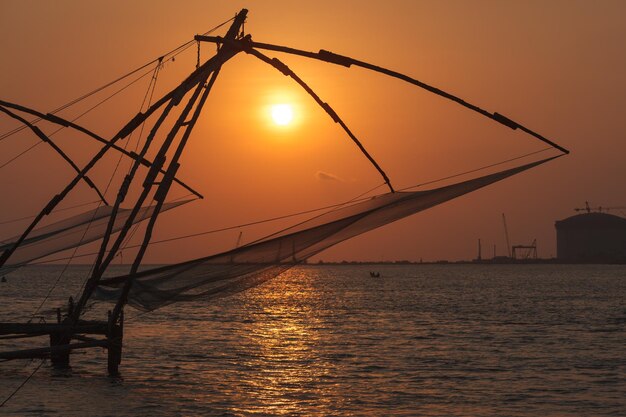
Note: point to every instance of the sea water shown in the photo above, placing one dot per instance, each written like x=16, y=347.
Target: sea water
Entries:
x=420, y=340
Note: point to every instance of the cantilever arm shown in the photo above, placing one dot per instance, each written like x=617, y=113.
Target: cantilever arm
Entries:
x=345, y=61
x=288, y=72
x=172, y=98
x=66, y=123
x=47, y=140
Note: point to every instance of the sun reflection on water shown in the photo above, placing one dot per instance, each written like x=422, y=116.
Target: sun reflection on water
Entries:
x=286, y=340
x=325, y=340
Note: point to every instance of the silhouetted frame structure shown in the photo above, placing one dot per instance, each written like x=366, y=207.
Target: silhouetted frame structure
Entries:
x=211, y=276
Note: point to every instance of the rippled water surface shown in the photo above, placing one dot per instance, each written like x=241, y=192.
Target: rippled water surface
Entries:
x=511, y=340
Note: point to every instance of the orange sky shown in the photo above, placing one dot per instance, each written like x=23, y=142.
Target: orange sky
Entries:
x=557, y=67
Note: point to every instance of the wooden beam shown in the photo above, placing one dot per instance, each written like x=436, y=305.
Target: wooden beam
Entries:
x=346, y=61
x=47, y=351
x=45, y=328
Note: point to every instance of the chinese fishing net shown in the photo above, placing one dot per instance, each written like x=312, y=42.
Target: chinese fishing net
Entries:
x=250, y=265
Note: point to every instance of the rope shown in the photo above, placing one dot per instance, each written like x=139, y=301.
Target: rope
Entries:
x=141, y=313
x=127, y=241
x=23, y=383
x=332, y=208
x=477, y=169
x=76, y=100
x=4, y=136
x=335, y=207
x=136, y=226
x=21, y=154
x=186, y=46
x=354, y=199
x=78, y=117
x=174, y=52
x=180, y=50
x=67, y=264
x=154, y=80
x=119, y=160
x=152, y=84
x=239, y=226
x=63, y=209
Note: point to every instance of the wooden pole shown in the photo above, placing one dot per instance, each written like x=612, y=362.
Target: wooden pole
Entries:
x=115, y=337
x=47, y=352
x=222, y=56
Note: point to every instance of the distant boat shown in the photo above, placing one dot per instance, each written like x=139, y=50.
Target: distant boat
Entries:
x=212, y=276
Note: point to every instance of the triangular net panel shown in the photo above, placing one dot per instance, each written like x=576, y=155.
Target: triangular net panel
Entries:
x=250, y=265
x=70, y=233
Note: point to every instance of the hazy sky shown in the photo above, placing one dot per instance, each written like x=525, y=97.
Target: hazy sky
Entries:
x=557, y=67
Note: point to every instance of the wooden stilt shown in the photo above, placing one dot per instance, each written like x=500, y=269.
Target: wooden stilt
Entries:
x=114, y=346
x=59, y=358
x=70, y=326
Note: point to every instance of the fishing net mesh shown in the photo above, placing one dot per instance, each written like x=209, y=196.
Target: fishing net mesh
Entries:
x=71, y=232
x=250, y=265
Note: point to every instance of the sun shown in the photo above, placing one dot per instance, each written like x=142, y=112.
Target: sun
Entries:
x=282, y=114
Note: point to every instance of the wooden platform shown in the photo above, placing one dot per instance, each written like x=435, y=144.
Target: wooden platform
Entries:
x=65, y=338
